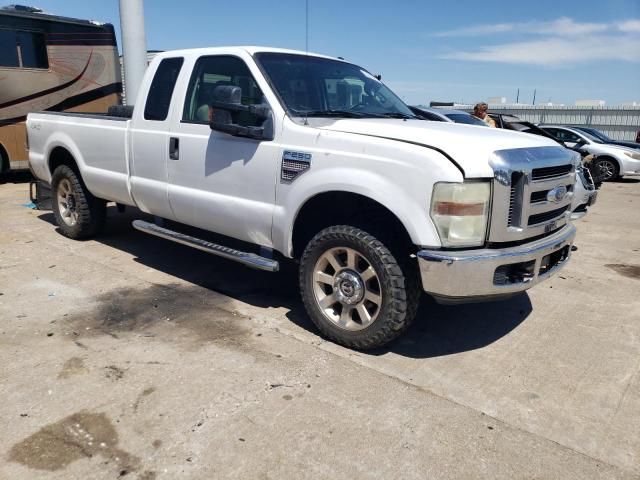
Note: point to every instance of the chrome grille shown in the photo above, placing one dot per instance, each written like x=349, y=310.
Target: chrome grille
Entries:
x=539, y=218
x=522, y=207
x=515, y=199
x=550, y=172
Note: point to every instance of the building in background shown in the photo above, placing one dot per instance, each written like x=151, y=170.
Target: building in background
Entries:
x=590, y=103
x=497, y=100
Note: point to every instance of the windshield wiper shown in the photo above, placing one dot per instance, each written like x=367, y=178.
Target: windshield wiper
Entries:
x=331, y=113
x=397, y=115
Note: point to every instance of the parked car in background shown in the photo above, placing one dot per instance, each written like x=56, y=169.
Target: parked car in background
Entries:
x=600, y=137
x=447, y=115
x=614, y=161
x=511, y=122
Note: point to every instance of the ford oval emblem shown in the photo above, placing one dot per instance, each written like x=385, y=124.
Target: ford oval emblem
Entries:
x=557, y=194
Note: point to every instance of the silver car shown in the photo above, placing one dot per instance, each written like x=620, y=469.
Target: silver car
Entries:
x=614, y=161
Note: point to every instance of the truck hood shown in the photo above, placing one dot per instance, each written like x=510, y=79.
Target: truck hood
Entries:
x=469, y=146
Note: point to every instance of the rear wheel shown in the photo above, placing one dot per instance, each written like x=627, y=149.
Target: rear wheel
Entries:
x=78, y=213
x=354, y=289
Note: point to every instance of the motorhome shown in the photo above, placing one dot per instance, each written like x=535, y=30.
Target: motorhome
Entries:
x=52, y=63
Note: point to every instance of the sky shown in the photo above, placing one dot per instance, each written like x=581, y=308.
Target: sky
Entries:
x=464, y=51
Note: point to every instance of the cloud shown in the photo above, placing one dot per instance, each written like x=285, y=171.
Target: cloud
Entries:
x=557, y=51
x=630, y=26
x=562, y=42
x=562, y=26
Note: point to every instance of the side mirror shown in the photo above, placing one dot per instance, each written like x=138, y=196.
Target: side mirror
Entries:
x=580, y=143
x=228, y=99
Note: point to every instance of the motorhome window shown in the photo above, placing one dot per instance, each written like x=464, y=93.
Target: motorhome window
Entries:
x=211, y=72
x=32, y=50
x=8, y=50
x=23, y=49
x=161, y=91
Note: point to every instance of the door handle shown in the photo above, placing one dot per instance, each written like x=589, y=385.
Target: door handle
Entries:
x=174, y=148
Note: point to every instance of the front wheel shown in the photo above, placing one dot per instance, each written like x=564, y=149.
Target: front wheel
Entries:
x=606, y=169
x=354, y=289
x=78, y=213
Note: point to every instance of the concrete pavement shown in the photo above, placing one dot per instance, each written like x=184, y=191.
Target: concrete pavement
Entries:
x=129, y=356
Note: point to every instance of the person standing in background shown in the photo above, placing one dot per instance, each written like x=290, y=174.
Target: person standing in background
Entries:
x=480, y=111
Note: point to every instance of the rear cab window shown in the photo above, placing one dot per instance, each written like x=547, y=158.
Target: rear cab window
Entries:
x=161, y=89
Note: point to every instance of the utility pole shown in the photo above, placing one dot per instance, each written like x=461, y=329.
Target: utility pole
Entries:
x=134, y=46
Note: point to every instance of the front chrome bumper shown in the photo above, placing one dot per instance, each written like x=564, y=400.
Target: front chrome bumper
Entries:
x=470, y=274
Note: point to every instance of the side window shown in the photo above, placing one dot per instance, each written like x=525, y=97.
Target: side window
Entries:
x=571, y=137
x=564, y=135
x=161, y=90
x=32, y=50
x=23, y=49
x=211, y=72
x=553, y=132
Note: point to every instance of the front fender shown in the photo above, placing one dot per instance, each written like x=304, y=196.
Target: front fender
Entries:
x=412, y=211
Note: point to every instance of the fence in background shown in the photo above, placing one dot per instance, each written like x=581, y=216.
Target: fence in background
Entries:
x=619, y=123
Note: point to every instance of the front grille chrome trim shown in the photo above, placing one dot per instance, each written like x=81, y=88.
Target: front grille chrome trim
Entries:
x=514, y=185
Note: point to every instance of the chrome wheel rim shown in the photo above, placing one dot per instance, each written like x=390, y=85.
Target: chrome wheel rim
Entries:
x=347, y=288
x=67, y=203
x=607, y=169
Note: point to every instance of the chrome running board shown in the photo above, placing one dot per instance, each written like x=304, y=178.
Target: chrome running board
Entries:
x=248, y=259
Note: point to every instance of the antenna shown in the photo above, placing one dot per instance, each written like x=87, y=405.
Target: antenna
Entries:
x=306, y=29
x=518, y=97
x=534, y=96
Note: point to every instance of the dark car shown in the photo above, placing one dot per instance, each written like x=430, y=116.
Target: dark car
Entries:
x=600, y=137
x=511, y=122
x=446, y=115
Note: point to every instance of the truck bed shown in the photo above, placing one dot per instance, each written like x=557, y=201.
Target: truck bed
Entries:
x=98, y=142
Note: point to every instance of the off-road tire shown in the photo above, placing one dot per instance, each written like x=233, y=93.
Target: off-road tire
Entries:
x=91, y=211
x=399, y=284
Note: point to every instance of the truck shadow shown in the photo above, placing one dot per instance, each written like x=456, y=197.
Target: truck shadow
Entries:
x=16, y=176
x=438, y=329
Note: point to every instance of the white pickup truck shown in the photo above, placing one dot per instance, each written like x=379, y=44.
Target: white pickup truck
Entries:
x=312, y=158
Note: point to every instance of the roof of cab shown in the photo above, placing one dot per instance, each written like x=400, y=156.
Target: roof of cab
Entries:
x=251, y=50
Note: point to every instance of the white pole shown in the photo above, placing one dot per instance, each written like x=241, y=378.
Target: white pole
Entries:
x=134, y=46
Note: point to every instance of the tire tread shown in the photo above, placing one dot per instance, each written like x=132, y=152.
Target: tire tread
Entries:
x=403, y=290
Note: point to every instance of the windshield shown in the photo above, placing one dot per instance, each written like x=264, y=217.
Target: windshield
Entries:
x=322, y=87
x=590, y=136
x=596, y=134
x=466, y=118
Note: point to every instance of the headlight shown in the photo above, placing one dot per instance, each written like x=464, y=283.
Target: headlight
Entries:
x=460, y=212
x=634, y=155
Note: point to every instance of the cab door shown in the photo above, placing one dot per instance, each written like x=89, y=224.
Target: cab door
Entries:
x=219, y=182
x=149, y=140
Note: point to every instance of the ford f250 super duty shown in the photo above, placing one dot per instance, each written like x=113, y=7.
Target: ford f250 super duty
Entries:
x=306, y=157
